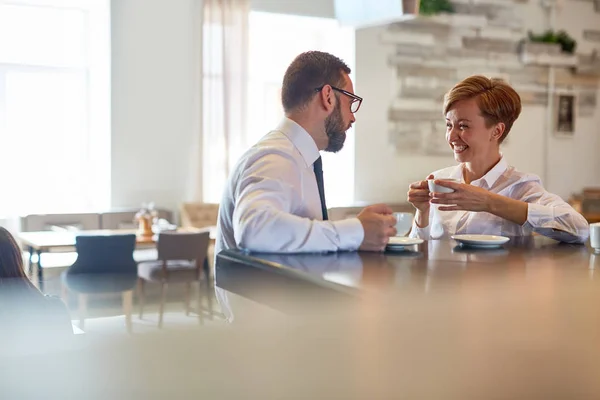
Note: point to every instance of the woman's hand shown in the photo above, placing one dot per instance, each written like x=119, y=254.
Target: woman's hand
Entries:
x=473, y=198
x=418, y=195
x=465, y=198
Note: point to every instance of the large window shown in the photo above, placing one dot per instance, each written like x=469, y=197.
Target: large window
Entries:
x=275, y=39
x=54, y=105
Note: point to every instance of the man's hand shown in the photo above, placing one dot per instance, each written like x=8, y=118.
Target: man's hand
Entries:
x=378, y=224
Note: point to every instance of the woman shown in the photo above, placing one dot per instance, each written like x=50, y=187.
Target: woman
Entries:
x=490, y=197
x=11, y=260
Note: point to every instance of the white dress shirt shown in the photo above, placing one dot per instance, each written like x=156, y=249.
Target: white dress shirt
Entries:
x=271, y=201
x=547, y=213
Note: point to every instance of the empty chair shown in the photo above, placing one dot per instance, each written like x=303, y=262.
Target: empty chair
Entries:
x=182, y=258
x=104, y=264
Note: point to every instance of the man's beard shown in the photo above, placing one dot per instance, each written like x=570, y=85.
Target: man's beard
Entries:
x=335, y=130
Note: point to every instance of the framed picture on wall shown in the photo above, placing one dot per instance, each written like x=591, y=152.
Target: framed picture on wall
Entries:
x=565, y=114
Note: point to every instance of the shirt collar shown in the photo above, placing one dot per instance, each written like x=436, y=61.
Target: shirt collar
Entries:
x=493, y=174
x=496, y=172
x=301, y=139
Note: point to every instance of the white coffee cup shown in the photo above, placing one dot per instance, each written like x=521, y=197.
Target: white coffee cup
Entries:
x=595, y=236
x=434, y=188
x=404, y=222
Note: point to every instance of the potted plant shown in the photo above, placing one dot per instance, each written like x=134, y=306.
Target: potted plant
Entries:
x=433, y=7
x=562, y=38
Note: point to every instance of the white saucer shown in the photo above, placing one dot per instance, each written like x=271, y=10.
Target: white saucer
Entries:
x=403, y=241
x=482, y=241
x=399, y=243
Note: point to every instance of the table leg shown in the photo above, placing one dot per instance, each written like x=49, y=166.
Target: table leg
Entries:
x=30, y=262
x=40, y=272
x=206, y=268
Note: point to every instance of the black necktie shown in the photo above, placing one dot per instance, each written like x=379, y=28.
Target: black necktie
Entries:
x=318, y=167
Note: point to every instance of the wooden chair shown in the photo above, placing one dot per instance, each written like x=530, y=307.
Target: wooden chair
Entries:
x=182, y=258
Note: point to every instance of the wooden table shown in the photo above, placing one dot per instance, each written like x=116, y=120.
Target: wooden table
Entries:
x=40, y=242
x=439, y=321
x=434, y=265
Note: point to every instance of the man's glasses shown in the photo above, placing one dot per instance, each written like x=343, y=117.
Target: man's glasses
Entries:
x=356, y=100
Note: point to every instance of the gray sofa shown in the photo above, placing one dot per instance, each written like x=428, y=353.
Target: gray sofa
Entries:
x=113, y=219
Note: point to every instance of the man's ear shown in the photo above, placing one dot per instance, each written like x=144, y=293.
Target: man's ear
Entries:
x=328, y=98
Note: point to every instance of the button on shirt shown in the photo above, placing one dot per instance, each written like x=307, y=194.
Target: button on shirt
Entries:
x=271, y=201
x=547, y=213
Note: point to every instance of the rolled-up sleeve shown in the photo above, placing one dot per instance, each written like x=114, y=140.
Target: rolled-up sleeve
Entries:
x=263, y=219
x=549, y=215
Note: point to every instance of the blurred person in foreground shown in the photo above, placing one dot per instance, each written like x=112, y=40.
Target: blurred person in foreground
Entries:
x=490, y=196
x=274, y=199
x=31, y=320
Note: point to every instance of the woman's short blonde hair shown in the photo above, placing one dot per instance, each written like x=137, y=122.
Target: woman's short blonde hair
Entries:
x=496, y=99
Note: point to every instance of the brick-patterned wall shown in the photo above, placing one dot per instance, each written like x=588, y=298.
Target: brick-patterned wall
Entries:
x=431, y=54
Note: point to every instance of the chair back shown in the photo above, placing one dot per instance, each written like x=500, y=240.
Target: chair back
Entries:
x=183, y=246
x=104, y=254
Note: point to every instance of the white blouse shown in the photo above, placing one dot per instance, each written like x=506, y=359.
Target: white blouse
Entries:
x=547, y=213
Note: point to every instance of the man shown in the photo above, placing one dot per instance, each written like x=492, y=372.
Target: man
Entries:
x=274, y=199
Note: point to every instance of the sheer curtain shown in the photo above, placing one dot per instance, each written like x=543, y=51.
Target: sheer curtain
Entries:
x=224, y=91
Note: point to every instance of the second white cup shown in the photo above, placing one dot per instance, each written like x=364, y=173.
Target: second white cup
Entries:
x=595, y=236
x=404, y=222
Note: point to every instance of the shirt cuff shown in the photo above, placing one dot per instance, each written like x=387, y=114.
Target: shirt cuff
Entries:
x=421, y=233
x=537, y=216
x=351, y=233
x=541, y=219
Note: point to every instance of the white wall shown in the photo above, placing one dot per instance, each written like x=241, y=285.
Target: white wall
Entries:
x=155, y=97
x=155, y=111
x=383, y=175
x=574, y=163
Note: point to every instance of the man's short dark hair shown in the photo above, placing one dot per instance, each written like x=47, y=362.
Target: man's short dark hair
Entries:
x=307, y=72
